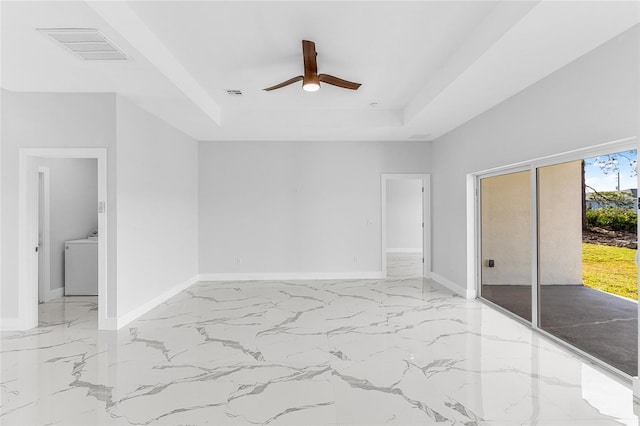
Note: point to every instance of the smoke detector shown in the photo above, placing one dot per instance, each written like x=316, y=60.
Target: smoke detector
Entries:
x=88, y=43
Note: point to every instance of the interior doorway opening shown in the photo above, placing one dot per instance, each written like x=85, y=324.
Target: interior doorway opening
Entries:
x=62, y=200
x=406, y=246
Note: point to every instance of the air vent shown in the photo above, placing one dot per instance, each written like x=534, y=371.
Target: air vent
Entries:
x=87, y=43
x=234, y=92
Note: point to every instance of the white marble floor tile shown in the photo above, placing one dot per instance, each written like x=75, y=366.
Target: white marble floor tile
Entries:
x=401, y=351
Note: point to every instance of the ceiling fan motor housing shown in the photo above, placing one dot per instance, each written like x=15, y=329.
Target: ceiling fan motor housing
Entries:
x=311, y=82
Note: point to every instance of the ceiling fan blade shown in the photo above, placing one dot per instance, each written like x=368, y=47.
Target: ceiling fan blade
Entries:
x=284, y=83
x=329, y=79
x=309, y=54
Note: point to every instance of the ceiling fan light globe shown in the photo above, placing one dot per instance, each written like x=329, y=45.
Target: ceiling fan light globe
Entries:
x=311, y=87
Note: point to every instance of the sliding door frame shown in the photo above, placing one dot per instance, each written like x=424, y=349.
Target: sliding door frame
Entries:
x=474, y=232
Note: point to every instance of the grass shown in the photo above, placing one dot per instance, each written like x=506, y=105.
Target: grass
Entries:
x=610, y=269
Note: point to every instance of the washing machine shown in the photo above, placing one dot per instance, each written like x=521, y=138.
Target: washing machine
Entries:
x=81, y=267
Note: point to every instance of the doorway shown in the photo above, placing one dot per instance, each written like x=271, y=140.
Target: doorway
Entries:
x=35, y=229
x=68, y=217
x=406, y=239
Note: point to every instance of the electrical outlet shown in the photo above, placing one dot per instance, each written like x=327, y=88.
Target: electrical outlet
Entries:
x=355, y=259
x=239, y=260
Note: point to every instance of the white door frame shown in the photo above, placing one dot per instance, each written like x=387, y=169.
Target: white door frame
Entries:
x=44, y=252
x=426, y=218
x=28, y=229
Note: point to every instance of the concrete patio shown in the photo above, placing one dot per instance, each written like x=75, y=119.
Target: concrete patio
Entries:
x=601, y=324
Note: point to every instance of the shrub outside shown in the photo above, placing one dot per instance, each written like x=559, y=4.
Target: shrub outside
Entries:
x=614, y=218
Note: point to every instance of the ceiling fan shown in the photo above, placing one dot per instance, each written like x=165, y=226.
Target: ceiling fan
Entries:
x=311, y=79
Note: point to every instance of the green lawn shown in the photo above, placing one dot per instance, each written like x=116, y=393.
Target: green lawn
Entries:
x=610, y=269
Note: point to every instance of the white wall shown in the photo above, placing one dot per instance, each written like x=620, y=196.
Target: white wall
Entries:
x=73, y=207
x=590, y=101
x=50, y=120
x=404, y=215
x=156, y=183
x=157, y=192
x=297, y=207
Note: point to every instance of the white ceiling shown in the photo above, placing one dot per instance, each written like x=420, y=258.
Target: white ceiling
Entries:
x=429, y=66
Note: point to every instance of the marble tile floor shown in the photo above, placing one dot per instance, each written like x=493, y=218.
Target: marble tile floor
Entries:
x=358, y=352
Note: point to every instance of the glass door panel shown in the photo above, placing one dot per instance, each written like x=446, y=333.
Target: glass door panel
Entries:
x=580, y=253
x=505, y=208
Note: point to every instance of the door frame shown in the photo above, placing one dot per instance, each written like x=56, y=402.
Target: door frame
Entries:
x=44, y=253
x=474, y=241
x=426, y=218
x=28, y=229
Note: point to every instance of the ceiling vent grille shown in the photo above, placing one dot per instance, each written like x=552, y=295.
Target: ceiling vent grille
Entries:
x=87, y=43
x=234, y=92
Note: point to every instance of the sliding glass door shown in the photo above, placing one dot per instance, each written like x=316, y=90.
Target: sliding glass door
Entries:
x=557, y=244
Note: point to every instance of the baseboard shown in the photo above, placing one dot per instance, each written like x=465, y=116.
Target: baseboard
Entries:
x=143, y=309
x=291, y=276
x=466, y=293
x=55, y=293
x=404, y=250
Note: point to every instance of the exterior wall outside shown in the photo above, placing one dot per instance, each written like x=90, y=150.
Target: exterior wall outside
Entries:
x=506, y=229
x=506, y=226
x=560, y=224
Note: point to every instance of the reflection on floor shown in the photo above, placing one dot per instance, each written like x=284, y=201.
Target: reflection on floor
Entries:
x=601, y=324
x=404, y=265
x=368, y=352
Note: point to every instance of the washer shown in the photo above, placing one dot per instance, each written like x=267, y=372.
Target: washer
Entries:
x=81, y=267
